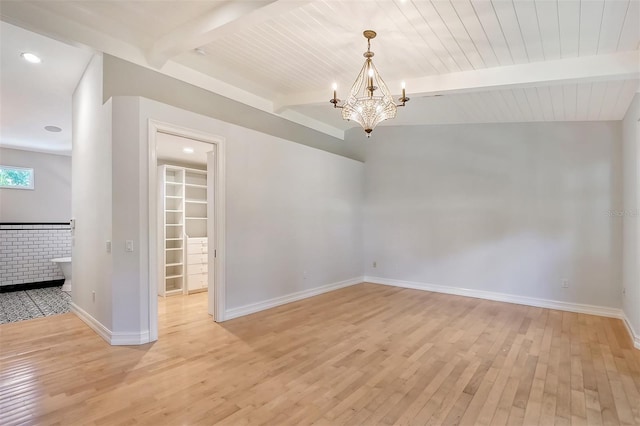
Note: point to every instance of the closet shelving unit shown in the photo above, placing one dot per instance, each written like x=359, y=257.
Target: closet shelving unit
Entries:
x=183, y=192
x=196, y=230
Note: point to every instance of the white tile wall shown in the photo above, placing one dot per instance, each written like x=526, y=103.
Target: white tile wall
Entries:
x=26, y=252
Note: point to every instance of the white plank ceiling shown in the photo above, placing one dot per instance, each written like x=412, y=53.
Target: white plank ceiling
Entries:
x=287, y=53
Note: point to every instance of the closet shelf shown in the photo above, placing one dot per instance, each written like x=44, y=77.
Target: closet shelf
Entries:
x=173, y=276
x=196, y=201
x=173, y=196
x=174, y=248
x=196, y=218
x=195, y=185
x=173, y=264
x=173, y=183
x=173, y=211
x=198, y=171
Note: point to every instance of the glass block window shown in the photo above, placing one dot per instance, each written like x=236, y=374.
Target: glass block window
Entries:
x=16, y=177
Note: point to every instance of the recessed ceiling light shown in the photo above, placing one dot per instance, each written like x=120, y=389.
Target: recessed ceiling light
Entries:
x=187, y=150
x=30, y=57
x=54, y=129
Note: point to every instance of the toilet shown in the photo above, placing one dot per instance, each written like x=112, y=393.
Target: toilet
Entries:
x=65, y=266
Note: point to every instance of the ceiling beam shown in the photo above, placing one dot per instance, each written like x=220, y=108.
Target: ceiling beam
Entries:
x=614, y=66
x=227, y=19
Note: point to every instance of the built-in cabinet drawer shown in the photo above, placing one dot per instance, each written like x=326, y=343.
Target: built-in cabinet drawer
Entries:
x=197, y=281
x=193, y=259
x=197, y=264
x=200, y=268
x=197, y=249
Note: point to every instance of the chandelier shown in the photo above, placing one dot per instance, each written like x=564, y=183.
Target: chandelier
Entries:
x=369, y=101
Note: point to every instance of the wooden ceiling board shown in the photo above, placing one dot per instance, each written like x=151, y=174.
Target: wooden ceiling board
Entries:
x=506, y=13
x=569, y=24
x=493, y=29
x=570, y=97
x=613, y=16
x=610, y=99
x=534, y=103
x=476, y=32
x=591, y=15
x=459, y=33
x=549, y=24
x=595, y=102
x=583, y=98
x=450, y=47
x=629, y=34
x=529, y=23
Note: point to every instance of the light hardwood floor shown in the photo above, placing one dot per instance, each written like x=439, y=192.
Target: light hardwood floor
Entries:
x=367, y=354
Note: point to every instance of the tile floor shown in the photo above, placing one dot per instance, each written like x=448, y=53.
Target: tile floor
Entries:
x=24, y=305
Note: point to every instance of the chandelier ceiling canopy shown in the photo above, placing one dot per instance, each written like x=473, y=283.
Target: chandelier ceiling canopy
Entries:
x=369, y=101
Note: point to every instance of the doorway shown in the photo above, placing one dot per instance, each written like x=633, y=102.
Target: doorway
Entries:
x=186, y=218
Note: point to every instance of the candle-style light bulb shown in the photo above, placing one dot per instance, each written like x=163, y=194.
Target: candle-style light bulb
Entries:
x=370, y=72
x=403, y=91
x=335, y=87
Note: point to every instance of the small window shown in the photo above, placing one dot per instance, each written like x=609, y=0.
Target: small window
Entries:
x=16, y=177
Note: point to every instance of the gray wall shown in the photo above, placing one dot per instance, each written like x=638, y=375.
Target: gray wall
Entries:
x=50, y=201
x=290, y=209
x=630, y=215
x=506, y=208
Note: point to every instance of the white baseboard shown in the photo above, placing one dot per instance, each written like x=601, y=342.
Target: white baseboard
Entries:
x=128, y=338
x=282, y=300
x=635, y=337
x=602, y=311
x=93, y=323
x=113, y=338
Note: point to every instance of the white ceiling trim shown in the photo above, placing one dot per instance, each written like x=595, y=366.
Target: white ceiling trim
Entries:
x=614, y=66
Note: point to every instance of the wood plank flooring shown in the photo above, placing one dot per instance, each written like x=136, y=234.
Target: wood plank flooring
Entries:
x=363, y=355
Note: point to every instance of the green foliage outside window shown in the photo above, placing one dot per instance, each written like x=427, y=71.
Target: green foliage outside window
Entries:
x=16, y=177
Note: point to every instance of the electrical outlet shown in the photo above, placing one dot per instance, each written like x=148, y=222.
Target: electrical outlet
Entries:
x=565, y=283
x=375, y=264
x=108, y=246
x=129, y=245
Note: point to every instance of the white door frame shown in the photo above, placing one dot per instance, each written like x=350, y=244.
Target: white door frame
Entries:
x=215, y=227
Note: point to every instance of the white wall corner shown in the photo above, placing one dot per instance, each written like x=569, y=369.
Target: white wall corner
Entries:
x=93, y=323
x=635, y=337
x=114, y=339
x=288, y=298
x=602, y=311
